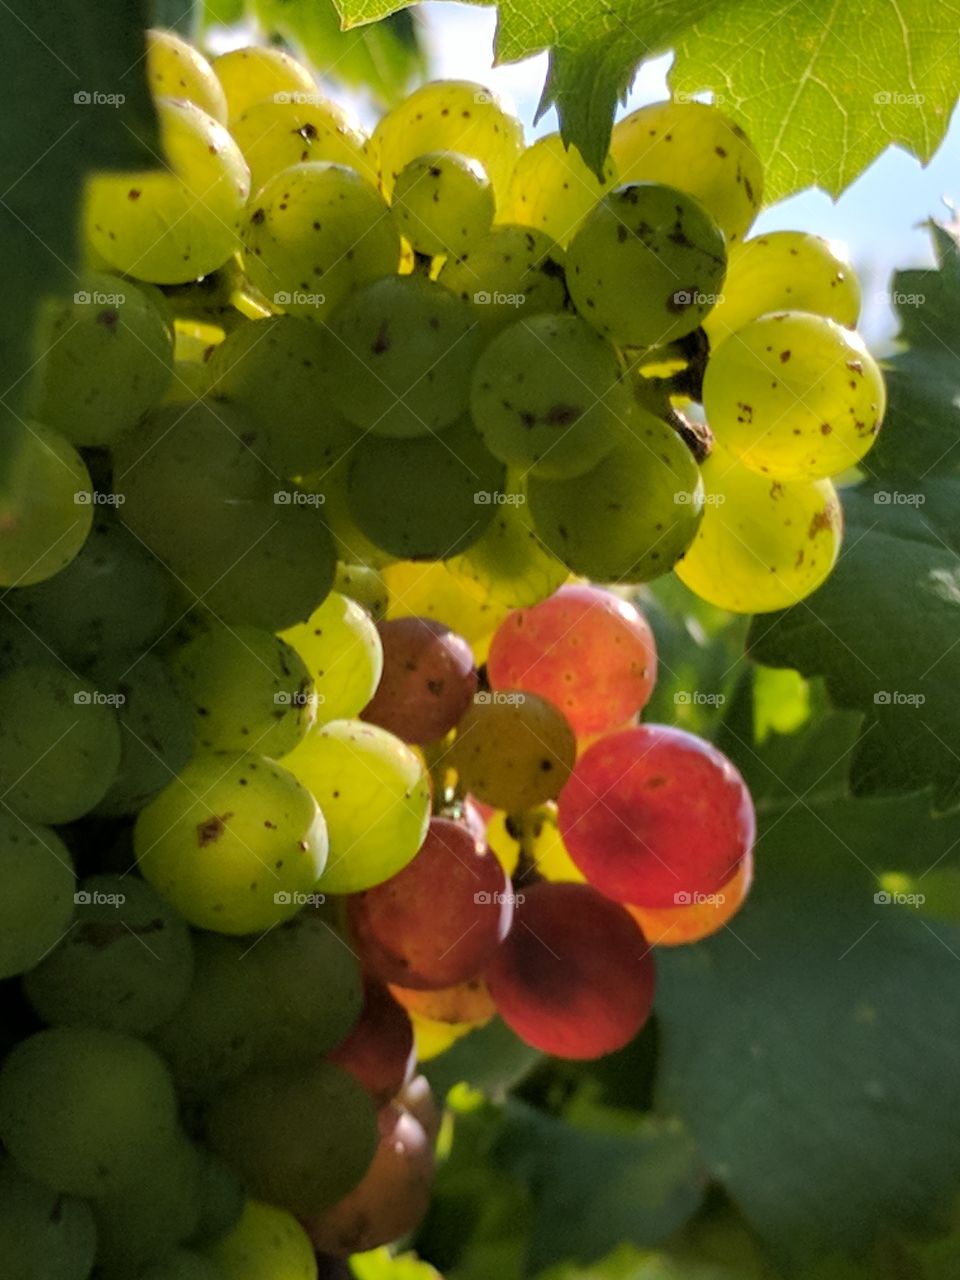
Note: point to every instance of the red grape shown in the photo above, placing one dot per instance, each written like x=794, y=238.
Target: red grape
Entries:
x=428, y=680
x=585, y=650
x=467, y=1002
x=379, y=1051
x=655, y=816
x=575, y=977
x=440, y=919
x=689, y=922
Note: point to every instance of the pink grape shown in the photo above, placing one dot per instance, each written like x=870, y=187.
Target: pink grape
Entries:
x=428, y=680
x=379, y=1051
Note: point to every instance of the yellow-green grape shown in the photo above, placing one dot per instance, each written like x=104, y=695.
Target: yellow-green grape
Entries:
x=46, y=503
x=375, y=795
x=697, y=148
x=443, y=203
x=37, y=901
x=266, y=1244
x=511, y=272
x=646, y=265
x=633, y=516
x=365, y=585
x=276, y=134
x=314, y=234
x=513, y=750
x=340, y=647
x=553, y=190
x=546, y=395
x=178, y=223
x=448, y=115
x=784, y=270
x=763, y=544
x=536, y=834
x=257, y=73
x=794, y=396
x=175, y=69
x=234, y=843
x=426, y=590
x=332, y=488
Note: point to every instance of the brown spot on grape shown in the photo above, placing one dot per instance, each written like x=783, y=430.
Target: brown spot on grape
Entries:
x=209, y=832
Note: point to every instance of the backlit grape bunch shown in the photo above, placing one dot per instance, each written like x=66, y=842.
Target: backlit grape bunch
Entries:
x=320, y=745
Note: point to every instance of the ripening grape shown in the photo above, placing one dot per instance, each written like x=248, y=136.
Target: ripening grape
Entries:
x=586, y=650
x=513, y=750
x=177, y=223
x=546, y=395
x=428, y=680
x=633, y=516
x=257, y=73
x=60, y=746
x=341, y=648
x=467, y=1003
x=45, y=504
x=763, y=544
x=794, y=396
x=575, y=977
x=646, y=265
x=698, y=149
x=104, y=357
x=439, y=920
x=43, y=1235
x=233, y=843
x=654, y=815
x=378, y=1052
x=690, y=922
x=375, y=795
x=85, y=1111
x=176, y=69
x=313, y=234
x=553, y=190
x=443, y=203
x=37, y=901
x=274, y=134
x=365, y=586
x=512, y=272
x=430, y=590
x=266, y=1244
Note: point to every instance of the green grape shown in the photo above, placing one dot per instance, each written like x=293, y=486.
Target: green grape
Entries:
x=546, y=395
x=85, y=1111
x=267, y=1244
x=553, y=190
x=375, y=793
x=511, y=272
x=279, y=132
x=300, y=1137
x=258, y=72
x=182, y=1264
x=60, y=746
x=342, y=651
x=332, y=489
x=314, y=234
x=249, y=689
x=220, y=1198
x=175, y=69
x=425, y=499
x=180, y=222
x=125, y=965
x=365, y=585
x=43, y=1235
x=646, y=265
x=156, y=729
x=794, y=396
x=630, y=518
x=448, y=115
x=103, y=358
x=784, y=269
x=443, y=203
x=763, y=544
x=407, y=348
x=513, y=750
x=36, y=906
x=694, y=147
x=46, y=507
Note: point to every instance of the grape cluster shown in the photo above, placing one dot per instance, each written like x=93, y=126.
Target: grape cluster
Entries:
x=318, y=746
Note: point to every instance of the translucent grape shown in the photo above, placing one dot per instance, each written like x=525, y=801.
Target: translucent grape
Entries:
x=365, y=586
x=428, y=680
x=43, y=1235
x=697, y=148
x=38, y=885
x=85, y=1111
x=513, y=750
x=794, y=396
x=177, y=223
x=234, y=843
x=257, y=72
x=546, y=395
x=175, y=69
x=375, y=795
x=630, y=518
x=279, y=132
x=378, y=1052
x=586, y=650
x=314, y=234
x=341, y=648
x=466, y=1004
x=690, y=922
x=654, y=815
x=432, y=591
x=60, y=746
x=267, y=1244
x=647, y=265
x=443, y=203
x=512, y=272
x=575, y=978
x=553, y=190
